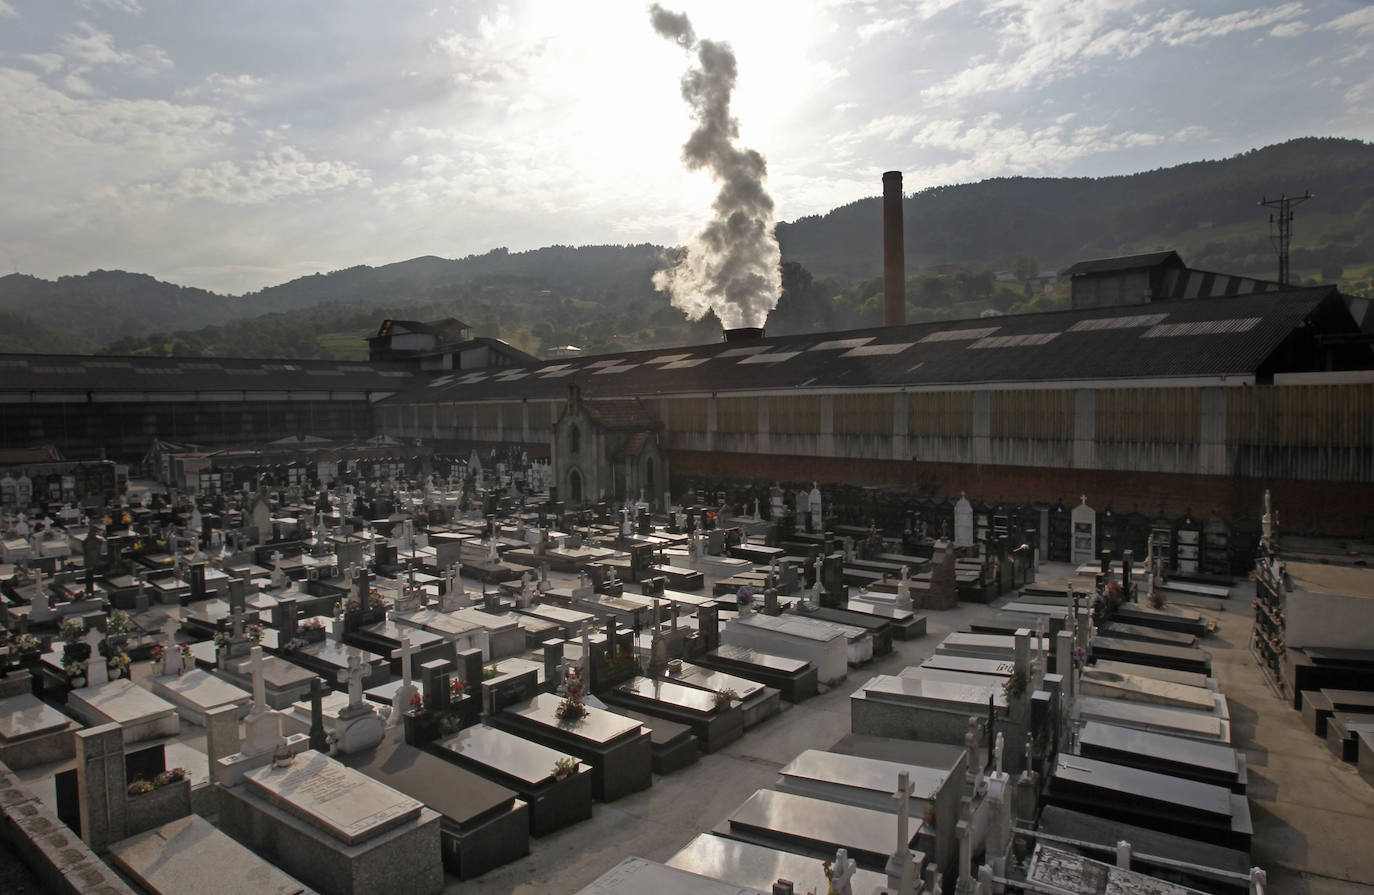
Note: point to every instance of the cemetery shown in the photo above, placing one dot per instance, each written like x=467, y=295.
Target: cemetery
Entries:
x=422, y=685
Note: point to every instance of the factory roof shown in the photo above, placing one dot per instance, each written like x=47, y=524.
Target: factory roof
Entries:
x=1200, y=338
x=86, y=373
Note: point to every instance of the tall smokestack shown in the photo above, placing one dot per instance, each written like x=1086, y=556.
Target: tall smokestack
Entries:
x=894, y=252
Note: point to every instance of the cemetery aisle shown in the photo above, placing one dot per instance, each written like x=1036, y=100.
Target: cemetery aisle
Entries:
x=1313, y=815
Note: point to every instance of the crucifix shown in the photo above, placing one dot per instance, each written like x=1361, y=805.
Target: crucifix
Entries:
x=259, y=686
x=842, y=873
x=404, y=654
x=353, y=675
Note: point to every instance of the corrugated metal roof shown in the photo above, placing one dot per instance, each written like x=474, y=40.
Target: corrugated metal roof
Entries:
x=1205, y=337
x=67, y=373
x=1125, y=262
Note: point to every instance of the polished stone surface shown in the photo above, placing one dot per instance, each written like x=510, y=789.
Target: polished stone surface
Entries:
x=26, y=715
x=757, y=866
x=668, y=693
x=190, y=857
x=597, y=726
x=504, y=752
x=745, y=655
x=636, y=876
x=338, y=800
x=863, y=773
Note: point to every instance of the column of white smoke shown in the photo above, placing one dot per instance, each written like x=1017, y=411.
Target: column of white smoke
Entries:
x=731, y=265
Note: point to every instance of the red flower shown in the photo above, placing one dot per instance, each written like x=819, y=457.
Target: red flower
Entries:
x=417, y=701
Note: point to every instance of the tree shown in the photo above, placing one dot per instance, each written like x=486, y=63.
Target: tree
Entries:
x=1025, y=267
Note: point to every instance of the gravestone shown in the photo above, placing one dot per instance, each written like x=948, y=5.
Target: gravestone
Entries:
x=358, y=728
x=102, y=789
x=400, y=703
x=1083, y=522
x=963, y=522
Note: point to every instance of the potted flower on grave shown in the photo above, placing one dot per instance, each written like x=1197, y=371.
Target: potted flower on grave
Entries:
x=311, y=630
x=71, y=630
x=1015, y=684
x=221, y=639
x=571, y=708
x=564, y=768
x=158, y=652
x=118, y=665
x=76, y=673
x=725, y=698
x=253, y=633
x=490, y=672
x=457, y=688
x=30, y=649
x=417, y=702
x=186, y=658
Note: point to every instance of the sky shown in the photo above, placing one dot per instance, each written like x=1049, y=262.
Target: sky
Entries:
x=234, y=145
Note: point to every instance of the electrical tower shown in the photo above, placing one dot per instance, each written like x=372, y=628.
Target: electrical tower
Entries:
x=1281, y=236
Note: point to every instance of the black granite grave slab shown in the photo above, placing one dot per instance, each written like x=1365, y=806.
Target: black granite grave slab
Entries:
x=483, y=825
x=1316, y=709
x=715, y=725
x=618, y=748
x=1150, y=846
x=1341, y=730
x=1127, y=631
x=1167, y=619
x=527, y=768
x=1191, y=759
x=903, y=623
x=879, y=630
x=796, y=679
x=675, y=746
x=1158, y=801
x=816, y=827
x=1158, y=654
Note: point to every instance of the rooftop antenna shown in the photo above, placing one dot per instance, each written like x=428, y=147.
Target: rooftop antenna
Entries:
x=1282, y=234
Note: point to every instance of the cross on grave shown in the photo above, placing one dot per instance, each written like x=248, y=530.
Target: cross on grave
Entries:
x=842, y=873
x=401, y=700
x=964, y=832
x=353, y=675
x=900, y=868
x=259, y=686
x=997, y=751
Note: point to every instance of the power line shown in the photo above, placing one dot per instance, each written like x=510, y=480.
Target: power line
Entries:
x=1283, y=234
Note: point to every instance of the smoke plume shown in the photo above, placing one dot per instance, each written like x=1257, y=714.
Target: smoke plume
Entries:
x=731, y=266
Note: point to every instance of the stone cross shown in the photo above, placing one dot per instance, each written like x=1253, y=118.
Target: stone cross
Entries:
x=353, y=675
x=259, y=686
x=843, y=870
x=905, y=790
x=964, y=831
x=404, y=654
x=171, y=652
x=900, y=868
x=997, y=751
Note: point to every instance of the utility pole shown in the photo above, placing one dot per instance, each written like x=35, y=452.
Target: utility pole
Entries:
x=1281, y=236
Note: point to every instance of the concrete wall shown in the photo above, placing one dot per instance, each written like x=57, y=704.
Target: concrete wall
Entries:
x=1335, y=621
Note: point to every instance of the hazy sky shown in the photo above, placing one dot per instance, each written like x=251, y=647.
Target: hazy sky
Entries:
x=237, y=144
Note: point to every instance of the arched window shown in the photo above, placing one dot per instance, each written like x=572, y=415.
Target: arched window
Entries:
x=649, y=475
x=575, y=440
x=575, y=485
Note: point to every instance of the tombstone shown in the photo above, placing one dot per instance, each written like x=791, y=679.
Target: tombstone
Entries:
x=97, y=672
x=197, y=576
x=262, y=726
x=358, y=728
x=400, y=702
x=814, y=504
x=901, y=870
x=173, y=663
x=101, y=786
x=553, y=661
x=963, y=522
x=285, y=620
x=842, y=873
x=221, y=736
x=1083, y=531
x=319, y=740
x=770, y=601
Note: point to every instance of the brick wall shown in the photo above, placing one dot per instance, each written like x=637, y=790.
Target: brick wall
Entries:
x=1338, y=509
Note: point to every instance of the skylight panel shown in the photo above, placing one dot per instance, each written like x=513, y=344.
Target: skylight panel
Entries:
x=685, y=364
x=776, y=357
x=1099, y=323
x=1016, y=341
x=1202, y=328
x=742, y=352
x=959, y=335
x=668, y=358
x=618, y=369
x=878, y=350
x=842, y=344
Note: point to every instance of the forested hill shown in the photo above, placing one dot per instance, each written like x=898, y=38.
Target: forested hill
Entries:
x=601, y=297
x=1210, y=206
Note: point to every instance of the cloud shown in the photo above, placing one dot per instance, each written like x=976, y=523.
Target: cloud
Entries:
x=988, y=146
x=132, y=7
x=51, y=63
x=1289, y=29
x=282, y=173
x=221, y=86
x=869, y=31
x=1041, y=41
x=7, y=11
x=1361, y=21
x=88, y=48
